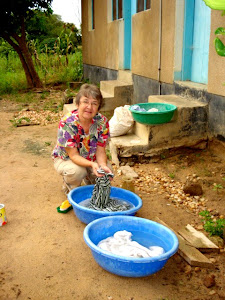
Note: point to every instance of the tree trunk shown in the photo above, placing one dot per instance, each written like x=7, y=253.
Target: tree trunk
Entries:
x=33, y=79
x=20, y=45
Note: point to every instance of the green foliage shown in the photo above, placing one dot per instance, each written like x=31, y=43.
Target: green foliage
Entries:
x=52, y=69
x=12, y=12
x=108, y=154
x=220, y=30
x=5, y=49
x=42, y=26
x=172, y=175
x=19, y=121
x=29, y=22
x=12, y=76
x=77, y=74
x=217, y=187
x=44, y=95
x=49, y=31
x=218, y=5
x=215, y=4
x=219, y=46
x=213, y=227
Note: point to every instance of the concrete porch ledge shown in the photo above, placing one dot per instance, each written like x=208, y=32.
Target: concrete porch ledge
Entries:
x=188, y=127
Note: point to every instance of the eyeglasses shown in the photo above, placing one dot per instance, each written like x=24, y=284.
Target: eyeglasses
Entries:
x=94, y=104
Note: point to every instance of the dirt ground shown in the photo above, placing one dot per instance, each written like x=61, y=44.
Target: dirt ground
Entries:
x=43, y=254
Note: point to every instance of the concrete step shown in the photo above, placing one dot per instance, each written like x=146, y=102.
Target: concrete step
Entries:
x=113, y=87
x=125, y=76
x=180, y=102
x=106, y=95
x=115, y=93
x=188, y=127
x=108, y=86
x=68, y=107
x=126, y=146
x=109, y=103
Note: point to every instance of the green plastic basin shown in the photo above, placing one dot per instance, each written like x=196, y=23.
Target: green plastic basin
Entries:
x=163, y=115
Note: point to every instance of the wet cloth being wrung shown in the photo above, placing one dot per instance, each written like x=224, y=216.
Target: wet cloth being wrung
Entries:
x=121, y=244
x=101, y=200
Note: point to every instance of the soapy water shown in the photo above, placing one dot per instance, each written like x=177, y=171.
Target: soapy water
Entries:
x=114, y=204
x=122, y=244
x=138, y=108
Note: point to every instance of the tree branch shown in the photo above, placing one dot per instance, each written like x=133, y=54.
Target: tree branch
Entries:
x=11, y=42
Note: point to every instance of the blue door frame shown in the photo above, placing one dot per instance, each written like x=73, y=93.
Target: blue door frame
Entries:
x=129, y=8
x=188, y=40
x=196, y=41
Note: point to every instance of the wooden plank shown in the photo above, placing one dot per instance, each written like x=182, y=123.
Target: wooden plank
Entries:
x=192, y=256
x=198, y=239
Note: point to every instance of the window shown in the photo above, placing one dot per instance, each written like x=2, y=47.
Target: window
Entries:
x=117, y=9
x=92, y=14
x=143, y=5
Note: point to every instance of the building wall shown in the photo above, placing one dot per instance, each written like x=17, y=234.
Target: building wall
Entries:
x=168, y=41
x=103, y=55
x=145, y=42
x=101, y=45
x=146, y=54
x=216, y=79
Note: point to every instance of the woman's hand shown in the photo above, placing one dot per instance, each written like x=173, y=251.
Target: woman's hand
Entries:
x=107, y=170
x=96, y=167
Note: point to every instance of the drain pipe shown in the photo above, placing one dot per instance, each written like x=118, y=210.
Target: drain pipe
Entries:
x=160, y=45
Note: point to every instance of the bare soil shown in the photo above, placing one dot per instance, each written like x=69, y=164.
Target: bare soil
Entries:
x=43, y=254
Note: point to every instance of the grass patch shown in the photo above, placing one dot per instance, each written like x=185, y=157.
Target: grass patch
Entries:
x=52, y=69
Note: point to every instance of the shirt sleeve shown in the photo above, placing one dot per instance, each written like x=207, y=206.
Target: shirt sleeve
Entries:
x=103, y=136
x=67, y=136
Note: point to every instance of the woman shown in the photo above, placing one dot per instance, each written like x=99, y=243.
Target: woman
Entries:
x=82, y=138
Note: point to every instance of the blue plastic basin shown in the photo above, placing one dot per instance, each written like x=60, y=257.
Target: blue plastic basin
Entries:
x=87, y=215
x=146, y=232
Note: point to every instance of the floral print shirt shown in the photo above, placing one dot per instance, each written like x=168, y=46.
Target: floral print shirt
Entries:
x=71, y=134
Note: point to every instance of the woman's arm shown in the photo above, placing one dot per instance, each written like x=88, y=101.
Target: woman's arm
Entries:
x=81, y=161
x=101, y=159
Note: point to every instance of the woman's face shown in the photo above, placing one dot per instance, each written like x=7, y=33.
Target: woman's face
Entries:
x=87, y=108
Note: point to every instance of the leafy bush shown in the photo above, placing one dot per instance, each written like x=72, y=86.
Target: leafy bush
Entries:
x=49, y=43
x=213, y=227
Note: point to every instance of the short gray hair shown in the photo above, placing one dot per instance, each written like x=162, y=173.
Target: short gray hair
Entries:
x=90, y=90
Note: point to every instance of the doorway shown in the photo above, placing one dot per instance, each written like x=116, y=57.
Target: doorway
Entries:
x=197, y=20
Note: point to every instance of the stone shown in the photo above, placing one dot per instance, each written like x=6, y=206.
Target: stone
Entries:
x=211, y=293
x=197, y=269
x=193, y=189
x=129, y=172
x=217, y=240
x=209, y=281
